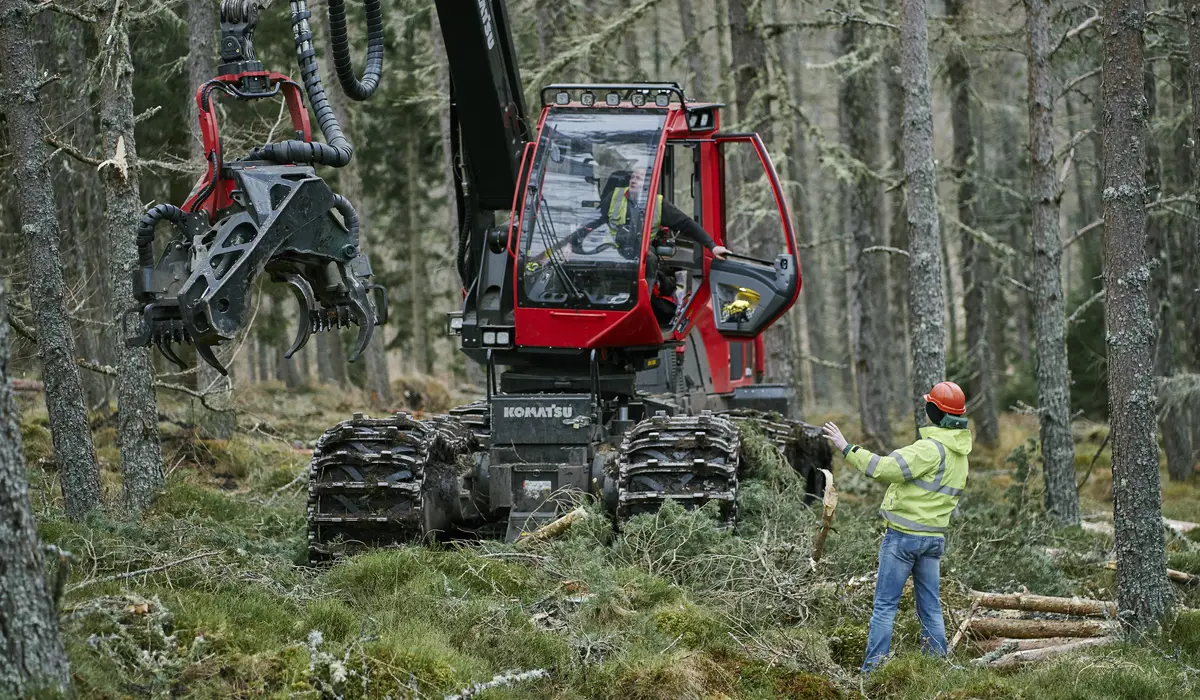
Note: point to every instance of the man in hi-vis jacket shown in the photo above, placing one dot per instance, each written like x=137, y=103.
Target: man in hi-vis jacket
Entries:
x=927, y=478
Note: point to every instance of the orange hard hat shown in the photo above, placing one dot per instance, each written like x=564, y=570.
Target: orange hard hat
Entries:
x=949, y=397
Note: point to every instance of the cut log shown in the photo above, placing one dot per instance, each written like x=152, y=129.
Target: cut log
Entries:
x=1017, y=628
x=1029, y=656
x=27, y=385
x=830, y=505
x=1101, y=528
x=1183, y=527
x=994, y=643
x=1177, y=576
x=1041, y=603
x=554, y=528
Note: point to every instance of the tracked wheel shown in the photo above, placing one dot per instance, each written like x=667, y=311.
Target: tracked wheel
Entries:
x=368, y=478
x=688, y=459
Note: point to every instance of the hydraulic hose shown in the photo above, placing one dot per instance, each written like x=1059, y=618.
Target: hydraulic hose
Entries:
x=145, y=230
x=349, y=216
x=337, y=150
x=340, y=43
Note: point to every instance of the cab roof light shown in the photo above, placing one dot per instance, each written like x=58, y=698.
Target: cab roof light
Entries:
x=662, y=99
x=638, y=99
x=588, y=99
x=562, y=97
x=612, y=99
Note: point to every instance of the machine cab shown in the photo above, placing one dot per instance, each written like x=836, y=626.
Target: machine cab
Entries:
x=603, y=255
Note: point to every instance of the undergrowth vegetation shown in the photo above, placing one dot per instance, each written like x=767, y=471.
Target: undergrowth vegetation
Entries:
x=668, y=606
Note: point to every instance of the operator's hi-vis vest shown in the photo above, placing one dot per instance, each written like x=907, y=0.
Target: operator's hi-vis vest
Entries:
x=926, y=478
x=618, y=209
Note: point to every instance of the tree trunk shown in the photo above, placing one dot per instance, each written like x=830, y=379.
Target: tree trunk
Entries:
x=749, y=66
x=1172, y=421
x=858, y=107
x=1142, y=587
x=1019, y=628
x=801, y=196
x=33, y=656
x=925, y=301
x=141, y=454
x=633, y=61
x=1053, y=375
x=1190, y=302
x=976, y=264
x=695, y=62
x=70, y=433
x=202, y=38
x=897, y=236
x=379, y=386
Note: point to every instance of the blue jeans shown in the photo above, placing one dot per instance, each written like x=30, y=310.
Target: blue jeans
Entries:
x=902, y=554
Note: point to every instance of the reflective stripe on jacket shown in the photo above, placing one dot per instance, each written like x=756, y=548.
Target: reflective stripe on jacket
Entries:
x=618, y=209
x=927, y=478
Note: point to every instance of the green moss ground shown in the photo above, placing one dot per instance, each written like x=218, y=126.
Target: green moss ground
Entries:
x=669, y=607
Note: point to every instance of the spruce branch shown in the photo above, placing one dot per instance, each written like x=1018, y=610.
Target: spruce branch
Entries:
x=70, y=12
x=71, y=151
x=1077, y=29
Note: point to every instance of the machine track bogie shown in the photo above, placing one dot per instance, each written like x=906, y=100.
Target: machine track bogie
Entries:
x=689, y=459
x=367, y=478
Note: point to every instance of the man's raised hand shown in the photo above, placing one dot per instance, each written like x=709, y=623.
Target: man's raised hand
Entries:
x=834, y=435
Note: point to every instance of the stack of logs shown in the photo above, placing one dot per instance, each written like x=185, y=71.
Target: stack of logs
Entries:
x=1012, y=641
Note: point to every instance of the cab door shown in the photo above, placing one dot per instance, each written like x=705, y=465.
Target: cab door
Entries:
x=761, y=280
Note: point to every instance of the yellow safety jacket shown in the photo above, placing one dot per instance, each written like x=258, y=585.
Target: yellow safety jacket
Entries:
x=618, y=209
x=927, y=478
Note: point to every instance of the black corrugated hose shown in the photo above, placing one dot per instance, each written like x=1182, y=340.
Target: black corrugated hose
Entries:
x=340, y=42
x=145, y=230
x=349, y=216
x=337, y=150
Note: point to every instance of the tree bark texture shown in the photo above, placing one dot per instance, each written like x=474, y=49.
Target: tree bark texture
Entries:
x=802, y=200
x=1142, y=589
x=379, y=386
x=749, y=69
x=977, y=263
x=1053, y=374
x=695, y=62
x=1172, y=421
x=1190, y=303
x=925, y=300
x=897, y=237
x=33, y=656
x=70, y=433
x=141, y=453
x=858, y=116
x=202, y=40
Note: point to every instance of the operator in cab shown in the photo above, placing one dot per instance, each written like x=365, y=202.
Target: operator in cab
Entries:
x=620, y=210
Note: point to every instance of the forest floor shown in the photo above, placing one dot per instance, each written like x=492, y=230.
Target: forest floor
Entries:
x=671, y=607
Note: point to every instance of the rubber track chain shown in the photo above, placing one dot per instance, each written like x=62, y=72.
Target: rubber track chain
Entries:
x=478, y=417
x=365, y=484
x=688, y=459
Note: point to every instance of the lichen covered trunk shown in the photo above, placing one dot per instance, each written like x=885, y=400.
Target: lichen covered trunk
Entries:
x=925, y=300
x=1142, y=588
x=31, y=650
x=1053, y=376
x=70, y=433
x=137, y=432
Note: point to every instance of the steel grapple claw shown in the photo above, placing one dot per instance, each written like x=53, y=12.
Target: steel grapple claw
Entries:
x=282, y=221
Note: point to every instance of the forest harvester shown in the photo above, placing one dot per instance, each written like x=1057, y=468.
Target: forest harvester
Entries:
x=589, y=390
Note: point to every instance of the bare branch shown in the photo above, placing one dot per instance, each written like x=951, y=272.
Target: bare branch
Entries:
x=1084, y=306
x=70, y=12
x=1018, y=284
x=983, y=237
x=47, y=80
x=1082, y=232
x=823, y=363
x=1077, y=30
x=1161, y=202
x=168, y=166
x=158, y=383
x=72, y=151
x=885, y=249
x=22, y=328
x=147, y=114
x=139, y=572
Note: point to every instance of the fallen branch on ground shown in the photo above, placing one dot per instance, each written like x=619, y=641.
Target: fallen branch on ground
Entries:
x=829, y=502
x=993, y=643
x=139, y=572
x=1029, y=656
x=1019, y=628
x=962, y=628
x=1041, y=603
x=502, y=680
x=1095, y=457
x=553, y=529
